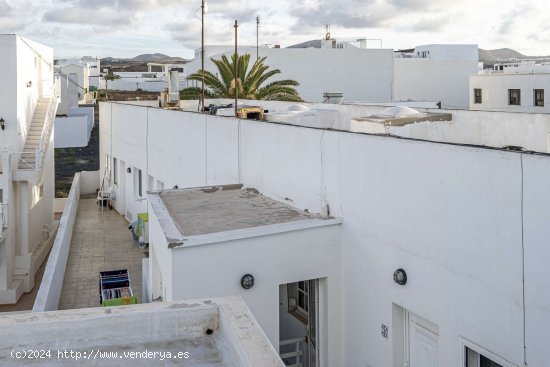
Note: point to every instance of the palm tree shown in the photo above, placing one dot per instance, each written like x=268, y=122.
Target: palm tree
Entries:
x=251, y=84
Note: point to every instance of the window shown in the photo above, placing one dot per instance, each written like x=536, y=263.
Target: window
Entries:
x=477, y=95
x=303, y=297
x=474, y=359
x=140, y=184
x=298, y=300
x=539, y=97
x=514, y=97
x=115, y=171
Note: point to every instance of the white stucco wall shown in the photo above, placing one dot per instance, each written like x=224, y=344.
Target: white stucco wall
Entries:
x=71, y=131
x=449, y=51
x=536, y=229
x=493, y=129
x=445, y=80
x=450, y=215
x=361, y=74
x=278, y=259
x=495, y=91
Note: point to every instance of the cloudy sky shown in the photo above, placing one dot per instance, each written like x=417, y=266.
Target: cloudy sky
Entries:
x=125, y=28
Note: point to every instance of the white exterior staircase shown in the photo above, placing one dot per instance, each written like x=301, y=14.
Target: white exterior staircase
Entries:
x=28, y=156
x=28, y=163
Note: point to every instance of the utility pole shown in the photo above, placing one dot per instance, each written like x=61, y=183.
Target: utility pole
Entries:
x=257, y=38
x=202, y=54
x=235, y=68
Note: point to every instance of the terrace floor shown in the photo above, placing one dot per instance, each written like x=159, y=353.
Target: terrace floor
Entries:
x=101, y=241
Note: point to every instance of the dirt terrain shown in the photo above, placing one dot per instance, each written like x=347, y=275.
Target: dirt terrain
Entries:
x=68, y=161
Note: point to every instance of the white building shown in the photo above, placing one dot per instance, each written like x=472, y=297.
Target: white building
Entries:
x=424, y=74
x=435, y=73
x=150, y=80
x=361, y=74
x=515, y=86
x=92, y=66
x=28, y=104
x=74, y=124
x=465, y=223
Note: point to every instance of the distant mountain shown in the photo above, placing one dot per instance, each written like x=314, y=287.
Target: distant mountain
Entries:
x=490, y=57
x=158, y=57
x=151, y=57
x=501, y=54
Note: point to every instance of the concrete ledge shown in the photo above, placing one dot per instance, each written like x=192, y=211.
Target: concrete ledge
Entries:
x=49, y=293
x=220, y=329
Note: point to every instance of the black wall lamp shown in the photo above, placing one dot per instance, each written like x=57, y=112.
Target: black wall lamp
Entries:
x=2, y=125
x=400, y=277
x=247, y=281
x=29, y=84
x=129, y=170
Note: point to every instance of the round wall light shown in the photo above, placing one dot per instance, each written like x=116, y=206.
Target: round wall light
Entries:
x=400, y=277
x=247, y=281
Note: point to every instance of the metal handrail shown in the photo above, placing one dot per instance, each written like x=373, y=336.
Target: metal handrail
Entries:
x=297, y=353
x=25, y=158
x=4, y=214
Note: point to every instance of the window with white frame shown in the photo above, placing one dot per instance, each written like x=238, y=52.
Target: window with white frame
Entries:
x=298, y=300
x=302, y=302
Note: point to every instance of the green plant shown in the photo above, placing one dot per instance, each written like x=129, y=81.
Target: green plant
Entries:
x=250, y=83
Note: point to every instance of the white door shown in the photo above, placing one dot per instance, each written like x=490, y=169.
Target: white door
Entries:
x=423, y=342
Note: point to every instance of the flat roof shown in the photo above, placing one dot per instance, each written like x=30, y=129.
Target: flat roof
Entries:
x=203, y=211
x=213, y=332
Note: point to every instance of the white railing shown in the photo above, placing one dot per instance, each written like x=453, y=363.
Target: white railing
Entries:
x=33, y=160
x=4, y=214
x=296, y=353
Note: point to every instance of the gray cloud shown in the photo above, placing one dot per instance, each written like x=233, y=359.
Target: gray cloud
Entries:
x=5, y=9
x=87, y=17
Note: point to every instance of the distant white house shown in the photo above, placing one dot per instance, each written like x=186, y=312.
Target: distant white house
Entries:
x=154, y=79
x=92, y=66
x=514, y=86
x=73, y=124
x=29, y=97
